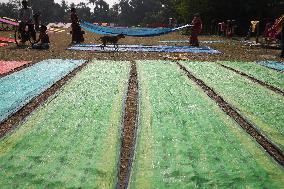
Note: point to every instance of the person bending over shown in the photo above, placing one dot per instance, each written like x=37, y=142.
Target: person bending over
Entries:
x=43, y=41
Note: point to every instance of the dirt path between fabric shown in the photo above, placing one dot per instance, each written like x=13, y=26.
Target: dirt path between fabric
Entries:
x=269, y=147
x=129, y=130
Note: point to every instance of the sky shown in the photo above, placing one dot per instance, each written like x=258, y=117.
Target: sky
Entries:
x=111, y=2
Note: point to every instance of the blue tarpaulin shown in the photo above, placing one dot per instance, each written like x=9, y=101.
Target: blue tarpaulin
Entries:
x=135, y=32
x=144, y=48
x=17, y=89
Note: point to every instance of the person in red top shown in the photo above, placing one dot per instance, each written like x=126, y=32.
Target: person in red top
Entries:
x=77, y=34
x=195, y=30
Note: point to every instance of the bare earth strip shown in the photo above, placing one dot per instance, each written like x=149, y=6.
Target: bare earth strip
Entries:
x=128, y=135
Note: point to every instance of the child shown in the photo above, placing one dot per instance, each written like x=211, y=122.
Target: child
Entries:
x=43, y=41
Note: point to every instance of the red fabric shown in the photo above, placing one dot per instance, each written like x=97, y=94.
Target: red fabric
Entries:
x=7, y=66
x=3, y=44
x=6, y=39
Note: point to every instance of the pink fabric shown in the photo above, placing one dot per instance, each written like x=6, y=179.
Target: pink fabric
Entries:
x=9, y=22
x=6, y=39
x=7, y=66
x=3, y=44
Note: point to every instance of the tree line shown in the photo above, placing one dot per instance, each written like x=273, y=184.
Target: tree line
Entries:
x=143, y=12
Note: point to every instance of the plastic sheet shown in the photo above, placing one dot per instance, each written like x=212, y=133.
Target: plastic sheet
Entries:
x=259, y=72
x=135, y=32
x=273, y=64
x=144, y=48
x=6, y=66
x=186, y=141
x=73, y=140
x=261, y=106
x=19, y=88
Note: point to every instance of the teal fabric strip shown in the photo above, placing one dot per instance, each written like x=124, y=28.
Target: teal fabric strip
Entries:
x=19, y=88
x=273, y=64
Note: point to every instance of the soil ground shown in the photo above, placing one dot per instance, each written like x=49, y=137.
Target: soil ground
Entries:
x=231, y=49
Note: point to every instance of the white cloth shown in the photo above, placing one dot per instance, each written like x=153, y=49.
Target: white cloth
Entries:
x=26, y=15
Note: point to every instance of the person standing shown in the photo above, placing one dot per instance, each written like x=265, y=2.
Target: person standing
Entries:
x=77, y=34
x=26, y=18
x=195, y=30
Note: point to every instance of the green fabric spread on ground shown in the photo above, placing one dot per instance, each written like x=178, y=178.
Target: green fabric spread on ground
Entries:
x=259, y=72
x=73, y=140
x=263, y=107
x=186, y=141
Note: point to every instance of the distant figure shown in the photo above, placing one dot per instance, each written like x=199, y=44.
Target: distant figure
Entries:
x=229, y=29
x=195, y=30
x=222, y=27
x=77, y=34
x=36, y=21
x=213, y=27
x=26, y=18
x=282, y=42
x=43, y=41
x=266, y=32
